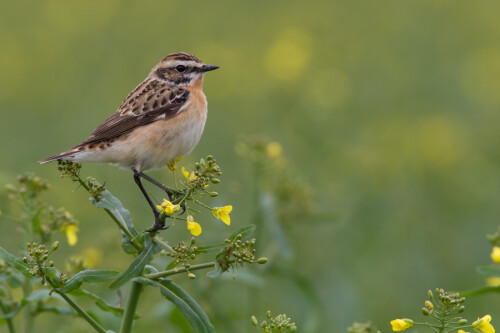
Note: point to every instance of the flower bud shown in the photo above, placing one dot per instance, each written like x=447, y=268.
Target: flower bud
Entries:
x=262, y=260
x=430, y=295
x=461, y=309
x=293, y=329
x=429, y=305
x=425, y=311
x=254, y=321
x=213, y=194
x=462, y=321
x=268, y=314
x=55, y=245
x=215, y=180
x=191, y=275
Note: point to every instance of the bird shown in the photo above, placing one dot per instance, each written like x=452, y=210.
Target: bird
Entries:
x=161, y=120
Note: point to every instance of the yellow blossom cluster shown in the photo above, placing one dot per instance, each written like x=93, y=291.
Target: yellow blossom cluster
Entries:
x=168, y=208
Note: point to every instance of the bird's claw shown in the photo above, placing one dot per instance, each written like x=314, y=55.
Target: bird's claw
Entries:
x=156, y=227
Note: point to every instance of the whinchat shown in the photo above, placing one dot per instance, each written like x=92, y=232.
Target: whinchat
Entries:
x=161, y=120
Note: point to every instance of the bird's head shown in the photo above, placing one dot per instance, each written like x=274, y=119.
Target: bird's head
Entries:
x=181, y=69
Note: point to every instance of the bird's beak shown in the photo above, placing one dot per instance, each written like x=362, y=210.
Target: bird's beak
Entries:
x=208, y=68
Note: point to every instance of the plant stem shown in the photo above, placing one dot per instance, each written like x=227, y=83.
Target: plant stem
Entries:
x=77, y=308
x=28, y=317
x=202, y=204
x=10, y=322
x=128, y=316
x=179, y=270
x=125, y=230
x=120, y=225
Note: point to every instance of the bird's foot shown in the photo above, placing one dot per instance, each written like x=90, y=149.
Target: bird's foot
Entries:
x=183, y=206
x=159, y=223
x=156, y=227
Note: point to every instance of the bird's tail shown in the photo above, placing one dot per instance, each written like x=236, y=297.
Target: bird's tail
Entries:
x=54, y=158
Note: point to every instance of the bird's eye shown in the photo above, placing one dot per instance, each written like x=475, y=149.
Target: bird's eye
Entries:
x=180, y=68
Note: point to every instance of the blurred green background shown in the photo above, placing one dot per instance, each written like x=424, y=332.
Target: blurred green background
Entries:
x=388, y=109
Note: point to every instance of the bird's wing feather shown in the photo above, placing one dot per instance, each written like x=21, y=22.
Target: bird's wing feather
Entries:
x=143, y=106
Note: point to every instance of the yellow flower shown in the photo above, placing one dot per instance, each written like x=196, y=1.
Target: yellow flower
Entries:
x=484, y=325
x=274, y=149
x=222, y=213
x=189, y=175
x=193, y=226
x=401, y=324
x=462, y=331
x=71, y=231
x=495, y=254
x=172, y=165
x=168, y=208
x=493, y=281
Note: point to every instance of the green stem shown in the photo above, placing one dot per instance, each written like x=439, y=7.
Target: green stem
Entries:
x=77, y=308
x=163, y=244
x=185, y=196
x=120, y=225
x=179, y=270
x=10, y=322
x=202, y=204
x=28, y=316
x=128, y=316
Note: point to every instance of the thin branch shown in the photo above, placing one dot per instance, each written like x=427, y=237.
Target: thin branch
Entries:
x=179, y=270
x=77, y=308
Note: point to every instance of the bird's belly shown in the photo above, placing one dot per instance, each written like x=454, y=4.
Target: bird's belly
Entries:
x=154, y=145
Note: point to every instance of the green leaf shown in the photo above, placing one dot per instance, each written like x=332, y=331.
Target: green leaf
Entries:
x=15, y=280
x=491, y=270
x=15, y=262
x=184, y=302
x=138, y=264
x=172, y=264
x=55, y=309
x=117, y=311
x=38, y=295
x=187, y=300
x=244, y=231
x=109, y=201
x=15, y=311
x=89, y=276
x=480, y=291
x=52, y=272
x=128, y=246
x=103, y=305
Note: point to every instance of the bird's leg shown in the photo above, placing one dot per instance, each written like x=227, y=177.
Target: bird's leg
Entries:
x=158, y=225
x=157, y=183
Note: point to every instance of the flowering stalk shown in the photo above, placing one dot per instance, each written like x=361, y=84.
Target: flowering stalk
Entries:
x=444, y=312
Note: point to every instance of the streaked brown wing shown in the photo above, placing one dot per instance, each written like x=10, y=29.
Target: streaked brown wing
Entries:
x=164, y=106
